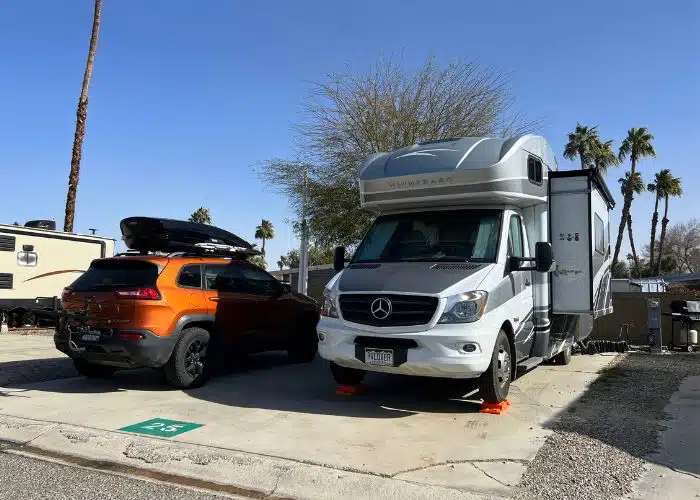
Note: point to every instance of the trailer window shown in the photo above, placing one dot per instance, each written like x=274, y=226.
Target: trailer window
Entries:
x=534, y=170
x=111, y=275
x=7, y=243
x=515, y=237
x=599, y=233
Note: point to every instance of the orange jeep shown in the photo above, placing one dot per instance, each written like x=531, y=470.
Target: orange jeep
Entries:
x=183, y=312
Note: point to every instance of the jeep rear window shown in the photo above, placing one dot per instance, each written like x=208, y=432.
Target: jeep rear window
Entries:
x=111, y=275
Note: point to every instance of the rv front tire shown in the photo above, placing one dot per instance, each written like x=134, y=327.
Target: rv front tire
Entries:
x=347, y=376
x=495, y=381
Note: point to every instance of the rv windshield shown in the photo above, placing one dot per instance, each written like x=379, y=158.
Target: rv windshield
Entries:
x=441, y=236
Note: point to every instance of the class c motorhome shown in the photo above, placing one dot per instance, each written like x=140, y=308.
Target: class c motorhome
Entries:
x=38, y=261
x=483, y=260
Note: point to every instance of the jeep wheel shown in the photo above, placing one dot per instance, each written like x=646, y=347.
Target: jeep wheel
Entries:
x=187, y=367
x=495, y=381
x=92, y=370
x=303, y=346
x=347, y=376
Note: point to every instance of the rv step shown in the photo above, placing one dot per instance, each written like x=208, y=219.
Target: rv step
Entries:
x=529, y=363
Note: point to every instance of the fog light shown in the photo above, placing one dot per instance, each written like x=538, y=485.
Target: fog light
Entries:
x=469, y=347
x=321, y=337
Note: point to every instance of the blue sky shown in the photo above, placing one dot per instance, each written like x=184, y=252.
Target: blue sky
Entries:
x=187, y=97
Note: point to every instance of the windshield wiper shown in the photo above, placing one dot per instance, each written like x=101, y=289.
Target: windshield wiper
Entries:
x=444, y=258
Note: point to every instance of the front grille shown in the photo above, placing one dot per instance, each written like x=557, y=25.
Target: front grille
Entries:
x=406, y=310
x=6, y=281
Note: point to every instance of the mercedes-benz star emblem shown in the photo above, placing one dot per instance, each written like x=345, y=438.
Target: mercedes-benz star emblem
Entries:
x=381, y=308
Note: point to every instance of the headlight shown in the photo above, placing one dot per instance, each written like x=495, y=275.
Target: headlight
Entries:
x=328, y=307
x=465, y=307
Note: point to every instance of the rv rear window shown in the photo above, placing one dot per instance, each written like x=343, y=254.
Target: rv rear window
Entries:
x=111, y=275
x=7, y=243
x=599, y=230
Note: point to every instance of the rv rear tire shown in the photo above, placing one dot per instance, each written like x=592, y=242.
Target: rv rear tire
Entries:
x=92, y=370
x=495, y=381
x=563, y=357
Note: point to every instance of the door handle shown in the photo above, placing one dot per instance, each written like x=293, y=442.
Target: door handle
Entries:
x=214, y=299
x=527, y=282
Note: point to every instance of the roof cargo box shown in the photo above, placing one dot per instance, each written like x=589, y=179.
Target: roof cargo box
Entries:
x=167, y=235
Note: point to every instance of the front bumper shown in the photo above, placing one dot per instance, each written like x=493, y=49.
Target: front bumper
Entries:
x=150, y=351
x=436, y=352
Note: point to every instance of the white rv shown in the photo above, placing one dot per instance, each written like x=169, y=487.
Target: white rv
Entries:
x=37, y=262
x=483, y=259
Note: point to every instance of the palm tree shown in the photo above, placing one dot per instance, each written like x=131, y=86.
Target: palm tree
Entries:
x=661, y=183
x=81, y=118
x=674, y=187
x=636, y=145
x=201, y=215
x=265, y=231
x=636, y=186
x=581, y=143
x=603, y=155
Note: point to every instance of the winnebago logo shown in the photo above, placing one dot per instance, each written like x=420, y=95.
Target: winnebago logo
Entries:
x=441, y=181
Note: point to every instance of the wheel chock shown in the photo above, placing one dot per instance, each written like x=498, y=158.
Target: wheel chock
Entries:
x=494, y=408
x=350, y=390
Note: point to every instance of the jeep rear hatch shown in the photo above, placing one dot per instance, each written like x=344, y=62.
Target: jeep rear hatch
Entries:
x=109, y=288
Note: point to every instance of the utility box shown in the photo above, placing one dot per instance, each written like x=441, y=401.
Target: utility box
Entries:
x=654, y=325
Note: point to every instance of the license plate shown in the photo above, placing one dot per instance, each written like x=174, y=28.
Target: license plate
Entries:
x=91, y=337
x=382, y=357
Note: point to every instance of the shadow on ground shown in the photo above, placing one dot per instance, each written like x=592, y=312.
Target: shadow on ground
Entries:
x=266, y=381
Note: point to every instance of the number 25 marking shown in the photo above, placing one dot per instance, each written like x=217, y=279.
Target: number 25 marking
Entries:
x=162, y=427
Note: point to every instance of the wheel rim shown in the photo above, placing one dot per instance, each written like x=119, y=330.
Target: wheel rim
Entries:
x=503, y=371
x=195, y=357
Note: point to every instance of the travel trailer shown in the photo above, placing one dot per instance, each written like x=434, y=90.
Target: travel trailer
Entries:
x=483, y=260
x=38, y=261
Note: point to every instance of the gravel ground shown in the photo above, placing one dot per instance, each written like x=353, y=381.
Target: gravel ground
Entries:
x=599, y=443
x=25, y=478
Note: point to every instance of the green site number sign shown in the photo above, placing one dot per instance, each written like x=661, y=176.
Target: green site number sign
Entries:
x=161, y=427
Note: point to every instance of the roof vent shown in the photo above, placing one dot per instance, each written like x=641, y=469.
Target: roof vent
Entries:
x=42, y=224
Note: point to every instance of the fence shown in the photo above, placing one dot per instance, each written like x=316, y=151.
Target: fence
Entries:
x=631, y=308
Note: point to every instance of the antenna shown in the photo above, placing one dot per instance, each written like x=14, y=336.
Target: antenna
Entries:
x=92, y=231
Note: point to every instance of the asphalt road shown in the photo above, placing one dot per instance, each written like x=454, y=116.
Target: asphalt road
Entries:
x=24, y=478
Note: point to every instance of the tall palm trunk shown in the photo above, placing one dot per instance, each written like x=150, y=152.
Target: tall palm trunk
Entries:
x=625, y=214
x=634, y=250
x=654, y=222
x=263, y=247
x=664, y=223
x=81, y=118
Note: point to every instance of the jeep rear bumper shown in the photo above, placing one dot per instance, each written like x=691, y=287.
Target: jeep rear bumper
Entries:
x=150, y=350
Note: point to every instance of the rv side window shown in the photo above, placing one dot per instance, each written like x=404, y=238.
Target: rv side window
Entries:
x=7, y=243
x=515, y=237
x=190, y=277
x=599, y=230
x=534, y=170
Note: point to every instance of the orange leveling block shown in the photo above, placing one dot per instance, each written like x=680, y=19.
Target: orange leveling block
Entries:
x=495, y=408
x=350, y=390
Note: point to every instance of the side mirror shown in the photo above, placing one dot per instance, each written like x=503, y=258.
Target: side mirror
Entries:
x=544, y=257
x=339, y=259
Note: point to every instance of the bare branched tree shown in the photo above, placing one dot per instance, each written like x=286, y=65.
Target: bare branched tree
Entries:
x=349, y=116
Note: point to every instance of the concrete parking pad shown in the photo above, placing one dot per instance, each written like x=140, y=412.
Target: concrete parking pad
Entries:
x=279, y=424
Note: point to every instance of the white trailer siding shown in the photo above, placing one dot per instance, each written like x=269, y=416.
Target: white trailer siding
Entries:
x=40, y=263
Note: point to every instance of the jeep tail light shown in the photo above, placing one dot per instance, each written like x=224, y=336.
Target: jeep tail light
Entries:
x=137, y=293
x=130, y=336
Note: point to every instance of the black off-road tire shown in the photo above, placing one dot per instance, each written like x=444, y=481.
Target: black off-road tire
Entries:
x=563, y=358
x=303, y=345
x=188, y=366
x=495, y=381
x=92, y=370
x=347, y=376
